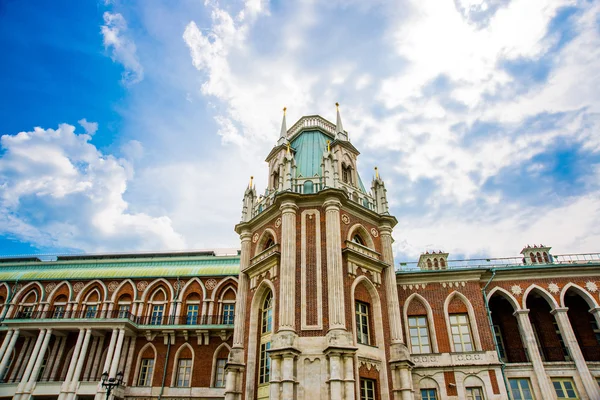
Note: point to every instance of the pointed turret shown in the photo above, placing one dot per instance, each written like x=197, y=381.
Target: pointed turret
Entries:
x=249, y=200
x=339, y=128
x=379, y=194
x=283, y=134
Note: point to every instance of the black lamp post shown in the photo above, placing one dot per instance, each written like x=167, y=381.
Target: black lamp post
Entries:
x=110, y=383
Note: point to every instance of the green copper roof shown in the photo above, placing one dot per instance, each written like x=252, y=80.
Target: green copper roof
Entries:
x=309, y=146
x=129, y=268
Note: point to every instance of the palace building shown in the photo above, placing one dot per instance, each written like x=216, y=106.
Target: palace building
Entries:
x=313, y=306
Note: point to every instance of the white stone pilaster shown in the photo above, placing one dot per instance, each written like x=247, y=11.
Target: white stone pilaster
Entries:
x=59, y=356
x=51, y=359
x=31, y=363
x=564, y=324
x=349, y=382
x=274, y=384
x=243, y=283
x=335, y=275
x=110, y=351
x=287, y=376
x=80, y=360
x=117, y=354
x=130, y=360
x=335, y=376
x=5, y=346
x=41, y=354
x=391, y=288
x=287, y=274
x=533, y=352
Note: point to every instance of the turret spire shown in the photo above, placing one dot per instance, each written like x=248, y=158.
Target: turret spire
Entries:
x=338, y=125
x=283, y=134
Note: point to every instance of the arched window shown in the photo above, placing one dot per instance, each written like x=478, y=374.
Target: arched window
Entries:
x=270, y=242
x=90, y=304
x=347, y=174
x=539, y=257
x=227, y=306
x=264, y=365
x=436, y=264
x=158, y=303
x=442, y=263
x=307, y=188
x=358, y=239
x=27, y=308
x=192, y=309
x=124, y=306
x=546, y=258
x=275, y=180
x=429, y=266
x=60, y=304
x=532, y=256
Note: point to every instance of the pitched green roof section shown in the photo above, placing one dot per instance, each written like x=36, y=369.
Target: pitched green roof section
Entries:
x=309, y=146
x=129, y=268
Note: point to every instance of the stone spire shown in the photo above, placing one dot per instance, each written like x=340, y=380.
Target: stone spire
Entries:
x=249, y=201
x=339, y=128
x=283, y=134
x=379, y=193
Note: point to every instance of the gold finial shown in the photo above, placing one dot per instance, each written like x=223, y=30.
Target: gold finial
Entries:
x=328, y=146
x=337, y=105
x=251, y=179
x=376, y=173
x=284, y=110
x=288, y=147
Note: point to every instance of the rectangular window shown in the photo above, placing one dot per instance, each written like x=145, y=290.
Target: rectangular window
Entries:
x=500, y=341
x=26, y=312
x=419, y=335
x=228, y=314
x=157, y=313
x=146, y=368
x=184, y=371
x=91, y=310
x=367, y=389
x=362, y=323
x=59, y=311
x=264, y=371
x=520, y=389
x=428, y=394
x=192, y=314
x=461, y=332
x=564, y=388
x=561, y=341
x=124, y=310
x=220, y=373
x=475, y=393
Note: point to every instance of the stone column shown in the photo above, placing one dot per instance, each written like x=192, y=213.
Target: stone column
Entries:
x=335, y=376
x=243, y=283
x=287, y=376
x=406, y=384
x=52, y=358
x=111, y=349
x=287, y=269
x=564, y=324
x=61, y=351
x=335, y=275
x=117, y=354
x=349, y=382
x=391, y=287
x=31, y=363
x=38, y=363
x=75, y=380
x=533, y=352
x=5, y=343
x=130, y=360
x=64, y=391
x=275, y=380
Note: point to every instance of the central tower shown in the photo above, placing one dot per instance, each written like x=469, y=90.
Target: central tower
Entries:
x=318, y=313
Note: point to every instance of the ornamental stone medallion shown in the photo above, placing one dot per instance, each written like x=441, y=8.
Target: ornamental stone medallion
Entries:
x=211, y=284
x=278, y=223
x=516, y=290
x=591, y=286
x=50, y=287
x=553, y=288
x=255, y=238
x=142, y=285
x=345, y=219
x=77, y=287
x=374, y=232
x=178, y=285
x=112, y=286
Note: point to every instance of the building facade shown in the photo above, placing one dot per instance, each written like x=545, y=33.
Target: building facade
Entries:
x=313, y=306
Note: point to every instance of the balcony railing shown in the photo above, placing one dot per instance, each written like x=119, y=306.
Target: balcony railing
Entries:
x=157, y=319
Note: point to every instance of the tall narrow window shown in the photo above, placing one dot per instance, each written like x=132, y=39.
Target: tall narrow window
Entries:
x=475, y=393
x=419, y=334
x=520, y=389
x=362, y=322
x=192, y=314
x=157, y=314
x=184, y=372
x=91, y=310
x=564, y=388
x=124, y=310
x=59, y=311
x=595, y=328
x=367, y=389
x=344, y=174
x=146, y=368
x=220, y=372
x=563, y=346
x=228, y=313
x=428, y=394
x=500, y=341
x=461, y=332
x=264, y=365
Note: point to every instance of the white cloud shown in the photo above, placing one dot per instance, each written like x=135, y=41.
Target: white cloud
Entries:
x=60, y=191
x=123, y=49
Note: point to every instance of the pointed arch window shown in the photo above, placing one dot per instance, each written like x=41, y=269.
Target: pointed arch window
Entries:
x=461, y=332
x=358, y=239
x=264, y=365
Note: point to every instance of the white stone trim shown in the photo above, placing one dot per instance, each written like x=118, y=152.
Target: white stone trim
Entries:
x=504, y=293
x=213, y=374
x=589, y=299
x=114, y=297
x=549, y=298
x=176, y=365
x=138, y=361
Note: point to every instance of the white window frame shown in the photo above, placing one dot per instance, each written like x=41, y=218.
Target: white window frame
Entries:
x=220, y=372
x=428, y=397
x=472, y=395
x=228, y=314
x=418, y=348
x=561, y=382
x=184, y=372
x=520, y=388
x=461, y=326
x=194, y=313
x=146, y=372
x=366, y=386
x=362, y=312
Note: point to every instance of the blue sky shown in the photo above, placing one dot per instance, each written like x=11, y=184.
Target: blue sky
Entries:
x=135, y=125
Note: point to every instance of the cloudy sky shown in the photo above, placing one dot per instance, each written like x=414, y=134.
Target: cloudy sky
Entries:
x=135, y=125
